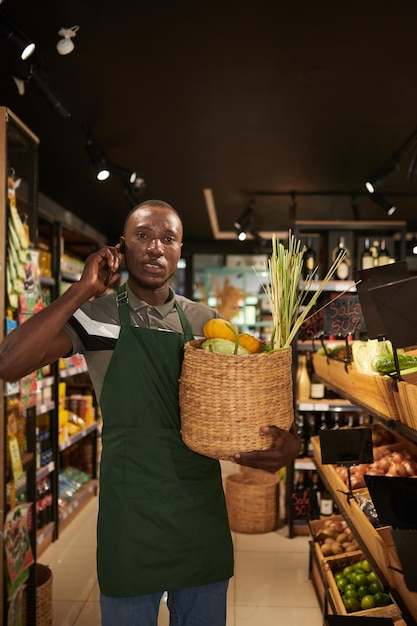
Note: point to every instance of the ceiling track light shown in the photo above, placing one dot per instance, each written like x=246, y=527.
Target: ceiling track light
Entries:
x=129, y=175
x=388, y=207
x=47, y=91
x=98, y=159
x=382, y=175
x=66, y=45
x=24, y=46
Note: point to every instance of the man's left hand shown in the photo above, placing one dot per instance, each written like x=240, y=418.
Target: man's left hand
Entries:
x=285, y=448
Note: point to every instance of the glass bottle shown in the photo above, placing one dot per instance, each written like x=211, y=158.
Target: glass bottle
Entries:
x=309, y=261
x=326, y=503
x=384, y=256
x=367, y=260
x=302, y=433
x=344, y=267
x=302, y=379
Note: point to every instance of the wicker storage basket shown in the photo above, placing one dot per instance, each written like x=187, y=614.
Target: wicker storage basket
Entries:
x=225, y=399
x=43, y=595
x=252, y=501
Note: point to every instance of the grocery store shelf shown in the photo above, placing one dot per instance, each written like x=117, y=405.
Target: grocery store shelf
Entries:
x=44, y=537
x=44, y=471
x=79, y=500
x=77, y=437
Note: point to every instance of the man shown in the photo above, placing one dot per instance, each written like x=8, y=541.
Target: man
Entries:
x=162, y=518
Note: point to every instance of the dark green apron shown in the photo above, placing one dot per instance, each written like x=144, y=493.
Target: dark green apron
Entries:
x=162, y=517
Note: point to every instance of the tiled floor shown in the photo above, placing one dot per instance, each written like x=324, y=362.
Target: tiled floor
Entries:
x=270, y=586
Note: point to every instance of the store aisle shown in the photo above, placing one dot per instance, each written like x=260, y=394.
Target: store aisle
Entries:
x=270, y=586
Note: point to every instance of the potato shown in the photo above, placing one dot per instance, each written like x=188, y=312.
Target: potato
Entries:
x=341, y=537
x=326, y=549
x=336, y=548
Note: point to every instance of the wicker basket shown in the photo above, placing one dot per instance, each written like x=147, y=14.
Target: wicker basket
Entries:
x=225, y=399
x=43, y=595
x=252, y=501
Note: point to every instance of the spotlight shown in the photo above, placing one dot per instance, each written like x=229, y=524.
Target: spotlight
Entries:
x=242, y=235
x=388, y=207
x=126, y=174
x=381, y=176
x=24, y=46
x=244, y=219
x=98, y=159
x=66, y=45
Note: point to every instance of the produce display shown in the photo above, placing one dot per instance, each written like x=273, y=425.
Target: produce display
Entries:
x=334, y=537
x=389, y=460
x=359, y=587
x=372, y=357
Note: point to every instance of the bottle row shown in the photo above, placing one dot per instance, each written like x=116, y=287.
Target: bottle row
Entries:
x=309, y=424
x=310, y=497
x=373, y=252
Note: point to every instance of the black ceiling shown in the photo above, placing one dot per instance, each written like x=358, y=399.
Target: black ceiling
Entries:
x=243, y=98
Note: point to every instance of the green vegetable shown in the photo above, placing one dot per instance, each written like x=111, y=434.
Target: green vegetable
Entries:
x=222, y=346
x=386, y=364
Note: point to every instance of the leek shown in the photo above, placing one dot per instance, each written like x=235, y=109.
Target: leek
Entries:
x=288, y=300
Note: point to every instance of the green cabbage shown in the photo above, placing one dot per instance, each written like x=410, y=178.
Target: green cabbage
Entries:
x=222, y=346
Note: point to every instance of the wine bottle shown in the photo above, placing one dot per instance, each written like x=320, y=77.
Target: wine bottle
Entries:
x=309, y=262
x=303, y=379
x=316, y=388
x=384, y=256
x=326, y=503
x=300, y=429
x=367, y=260
x=343, y=270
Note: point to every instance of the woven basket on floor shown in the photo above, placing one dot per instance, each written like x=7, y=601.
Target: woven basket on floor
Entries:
x=225, y=399
x=43, y=595
x=252, y=501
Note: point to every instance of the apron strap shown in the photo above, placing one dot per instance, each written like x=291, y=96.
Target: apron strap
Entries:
x=186, y=327
x=122, y=303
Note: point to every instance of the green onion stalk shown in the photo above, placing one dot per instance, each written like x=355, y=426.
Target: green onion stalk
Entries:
x=286, y=293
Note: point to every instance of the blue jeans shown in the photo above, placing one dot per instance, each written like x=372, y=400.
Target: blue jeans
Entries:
x=204, y=605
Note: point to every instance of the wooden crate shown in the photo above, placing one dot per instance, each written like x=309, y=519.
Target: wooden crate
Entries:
x=330, y=568
x=315, y=526
x=335, y=373
x=406, y=399
x=374, y=540
x=375, y=393
x=396, y=579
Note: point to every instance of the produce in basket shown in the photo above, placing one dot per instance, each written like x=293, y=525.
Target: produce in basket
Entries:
x=250, y=391
x=289, y=303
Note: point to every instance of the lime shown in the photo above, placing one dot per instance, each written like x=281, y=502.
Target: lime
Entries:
x=366, y=566
x=375, y=587
x=368, y=602
x=348, y=570
x=341, y=583
x=350, y=586
x=357, y=566
x=338, y=575
x=352, y=605
x=372, y=577
x=363, y=590
x=350, y=593
x=360, y=579
x=382, y=599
